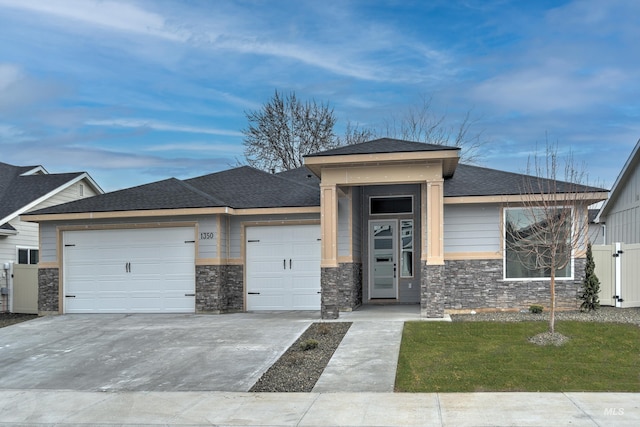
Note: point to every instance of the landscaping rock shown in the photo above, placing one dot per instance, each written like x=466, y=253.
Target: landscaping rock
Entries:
x=299, y=368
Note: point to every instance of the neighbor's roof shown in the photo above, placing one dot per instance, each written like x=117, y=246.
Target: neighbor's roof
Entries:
x=383, y=145
x=22, y=186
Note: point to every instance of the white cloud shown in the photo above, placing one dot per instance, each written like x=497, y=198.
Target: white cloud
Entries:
x=113, y=15
x=198, y=147
x=555, y=85
x=18, y=90
x=160, y=126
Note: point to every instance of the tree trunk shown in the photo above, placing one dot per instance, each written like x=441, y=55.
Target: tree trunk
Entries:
x=552, y=310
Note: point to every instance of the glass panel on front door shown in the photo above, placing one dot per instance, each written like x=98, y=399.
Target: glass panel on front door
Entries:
x=383, y=259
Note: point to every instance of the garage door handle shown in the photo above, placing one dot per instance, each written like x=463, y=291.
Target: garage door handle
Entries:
x=189, y=295
x=284, y=264
x=69, y=296
x=254, y=293
x=289, y=263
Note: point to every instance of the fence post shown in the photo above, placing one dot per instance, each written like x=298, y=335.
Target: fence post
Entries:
x=618, y=285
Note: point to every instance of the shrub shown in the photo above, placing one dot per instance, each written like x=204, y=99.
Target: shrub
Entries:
x=309, y=344
x=323, y=328
x=535, y=309
x=590, y=285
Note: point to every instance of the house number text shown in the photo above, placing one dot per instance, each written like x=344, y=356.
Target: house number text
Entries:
x=207, y=236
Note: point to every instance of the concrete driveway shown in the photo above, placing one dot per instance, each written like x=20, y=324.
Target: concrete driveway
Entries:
x=153, y=352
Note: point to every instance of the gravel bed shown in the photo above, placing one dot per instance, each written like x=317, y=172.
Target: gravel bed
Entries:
x=604, y=314
x=298, y=370
x=7, y=319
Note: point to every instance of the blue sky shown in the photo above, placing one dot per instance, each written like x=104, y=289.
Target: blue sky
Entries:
x=139, y=91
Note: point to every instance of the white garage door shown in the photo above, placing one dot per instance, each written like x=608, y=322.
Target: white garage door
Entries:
x=283, y=267
x=129, y=271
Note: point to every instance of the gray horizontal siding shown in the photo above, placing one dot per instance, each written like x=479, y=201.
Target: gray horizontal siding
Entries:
x=472, y=228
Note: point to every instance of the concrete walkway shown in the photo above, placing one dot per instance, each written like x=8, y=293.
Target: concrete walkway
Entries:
x=367, y=357
x=76, y=408
x=365, y=361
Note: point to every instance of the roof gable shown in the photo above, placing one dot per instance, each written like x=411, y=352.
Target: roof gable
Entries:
x=23, y=187
x=383, y=145
x=630, y=166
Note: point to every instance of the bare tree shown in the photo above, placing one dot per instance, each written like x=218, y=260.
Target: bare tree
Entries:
x=354, y=134
x=420, y=123
x=550, y=225
x=286, y=129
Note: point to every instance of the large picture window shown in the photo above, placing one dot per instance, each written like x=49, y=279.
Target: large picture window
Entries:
x=528, y=232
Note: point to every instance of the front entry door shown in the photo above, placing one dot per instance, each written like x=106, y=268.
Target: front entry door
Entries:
x=382, y=259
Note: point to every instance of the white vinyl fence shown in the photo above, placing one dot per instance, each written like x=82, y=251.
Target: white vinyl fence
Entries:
x=618, y=268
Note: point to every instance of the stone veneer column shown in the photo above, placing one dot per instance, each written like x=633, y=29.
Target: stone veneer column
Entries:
x=48, y=291
x=219, y=288
x=329, y=306
x=349, y=286
x=432, y=291
x=433, y=269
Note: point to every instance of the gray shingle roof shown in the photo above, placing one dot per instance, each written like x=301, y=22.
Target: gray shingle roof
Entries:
x=478, y=181
x=239, y=188
x=246, y=187
x=167, y=194
x=383, y=145
x=18, y=191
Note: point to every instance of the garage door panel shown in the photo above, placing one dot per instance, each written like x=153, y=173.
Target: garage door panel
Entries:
x=281, y=259
x=306, y=301
x=123, y=271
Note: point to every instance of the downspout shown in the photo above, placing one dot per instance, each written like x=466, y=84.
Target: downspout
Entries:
x=4, y=290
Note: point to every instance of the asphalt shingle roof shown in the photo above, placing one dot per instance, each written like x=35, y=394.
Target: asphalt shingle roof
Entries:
x=246, y=187
x=383, y=145
x=478, y=181
x=17, y=191
x=239, y=188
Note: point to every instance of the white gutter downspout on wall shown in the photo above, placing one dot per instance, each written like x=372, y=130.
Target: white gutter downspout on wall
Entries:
x=618, y=262
x=7, y=298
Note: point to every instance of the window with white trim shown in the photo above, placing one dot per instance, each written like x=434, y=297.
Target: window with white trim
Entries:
x=406, y=248
x=527, y=233
x=28, y=256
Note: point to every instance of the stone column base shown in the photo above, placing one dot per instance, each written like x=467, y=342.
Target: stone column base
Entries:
x=432, y=291
x=329, y=306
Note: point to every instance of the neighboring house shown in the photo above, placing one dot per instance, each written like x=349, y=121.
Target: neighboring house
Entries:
x=385, y=221
x=621, y=212
x=25, y=188
x=596, y=230
x=619, y=217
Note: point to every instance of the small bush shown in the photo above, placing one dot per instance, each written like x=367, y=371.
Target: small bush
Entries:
x=309, y=344
x=535, y=309
x=323, y=328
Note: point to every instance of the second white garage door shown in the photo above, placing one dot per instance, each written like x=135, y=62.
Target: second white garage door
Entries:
x=129, y=271
x=283, y=267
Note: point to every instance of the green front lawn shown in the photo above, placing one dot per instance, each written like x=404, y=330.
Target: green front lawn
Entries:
x=491, y=356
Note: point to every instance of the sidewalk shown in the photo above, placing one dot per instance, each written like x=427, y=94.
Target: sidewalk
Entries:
x=72, y=408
